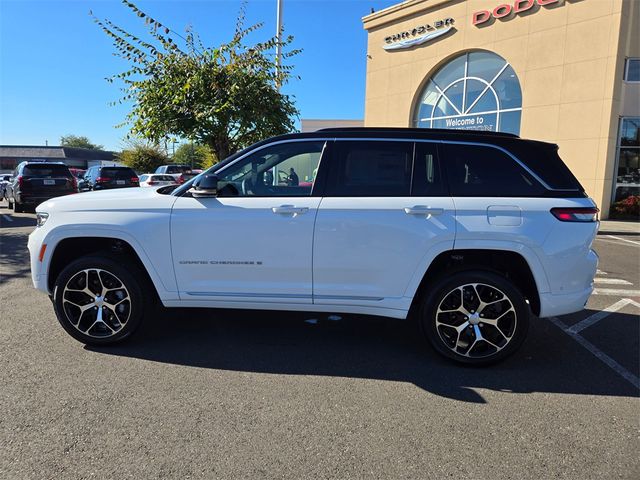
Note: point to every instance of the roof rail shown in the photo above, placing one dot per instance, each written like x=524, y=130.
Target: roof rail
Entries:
x=419, y=131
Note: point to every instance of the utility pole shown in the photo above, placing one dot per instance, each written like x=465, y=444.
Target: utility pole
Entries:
x=279, y=39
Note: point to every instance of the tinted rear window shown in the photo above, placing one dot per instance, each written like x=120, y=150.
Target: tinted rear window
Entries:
x=544, y=159
x=373, y=169
x=119, y=173
x=477, y=171
x=46, y=170
x=178, y=169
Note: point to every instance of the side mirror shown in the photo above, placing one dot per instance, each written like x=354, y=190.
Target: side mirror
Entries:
x=206, y=186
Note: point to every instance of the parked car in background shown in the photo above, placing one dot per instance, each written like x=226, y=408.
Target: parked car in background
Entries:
x=181, y=173
x=101, y=178
x=35, y=182
x=156, y=180
x=4, y=181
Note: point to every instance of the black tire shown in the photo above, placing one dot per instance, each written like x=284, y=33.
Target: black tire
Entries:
x=116, y=324
x=12, y=205
x=453, y=333
x=17, y=207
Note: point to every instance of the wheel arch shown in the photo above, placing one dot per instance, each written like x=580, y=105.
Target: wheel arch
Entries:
x=509, y=264
x=69, y=248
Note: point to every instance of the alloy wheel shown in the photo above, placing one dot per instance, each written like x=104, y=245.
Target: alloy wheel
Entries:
x=96, y=302
x=476, y=320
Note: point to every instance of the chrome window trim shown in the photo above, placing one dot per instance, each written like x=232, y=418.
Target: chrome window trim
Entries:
x=412, y=140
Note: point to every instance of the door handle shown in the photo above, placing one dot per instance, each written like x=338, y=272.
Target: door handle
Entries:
x=289, y=210
x=423, y=210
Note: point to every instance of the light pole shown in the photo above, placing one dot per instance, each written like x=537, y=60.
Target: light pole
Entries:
x=279, y=41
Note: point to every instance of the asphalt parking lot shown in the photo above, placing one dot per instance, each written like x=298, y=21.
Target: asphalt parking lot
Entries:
x=225, y=394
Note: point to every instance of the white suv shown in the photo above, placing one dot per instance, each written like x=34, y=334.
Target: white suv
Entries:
x=468, y=232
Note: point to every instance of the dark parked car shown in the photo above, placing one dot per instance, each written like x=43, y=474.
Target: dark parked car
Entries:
x=36, y=182
x=181, y=173
x=101, y=178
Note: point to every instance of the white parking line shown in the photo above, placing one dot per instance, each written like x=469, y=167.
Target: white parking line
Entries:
x=614, y=292
x=7, y=218
x=612, y=281
x=600, y=272
x=617, y=240
x=624, y=239
x=596, y=317
x=610, y=362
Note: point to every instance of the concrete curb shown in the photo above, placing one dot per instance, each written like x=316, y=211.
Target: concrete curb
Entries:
x=608, y=227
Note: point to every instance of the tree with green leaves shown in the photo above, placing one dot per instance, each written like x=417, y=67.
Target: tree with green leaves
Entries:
x=78, y=141
x=143, y=157
x=196, y=156
x=226, y=97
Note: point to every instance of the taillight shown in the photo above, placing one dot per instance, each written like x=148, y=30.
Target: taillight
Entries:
x=19, y=180
x=576, y=214
x=74, y=183
x=152, y=182
x=181, y=179
x=102, y=180
x=134, y=179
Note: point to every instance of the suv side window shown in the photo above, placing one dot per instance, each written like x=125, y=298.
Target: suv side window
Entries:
x=427, y=174
x=370, y=169
x=285, y=169
x=483, y=171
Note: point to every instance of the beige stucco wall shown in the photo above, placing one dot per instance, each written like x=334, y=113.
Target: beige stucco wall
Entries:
x=569, y=59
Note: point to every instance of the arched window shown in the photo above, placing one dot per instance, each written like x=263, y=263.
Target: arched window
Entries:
x=474, y=91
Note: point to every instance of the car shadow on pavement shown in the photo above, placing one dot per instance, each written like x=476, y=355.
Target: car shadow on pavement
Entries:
x=363, y=347
x=10, y=221
x=14, y=256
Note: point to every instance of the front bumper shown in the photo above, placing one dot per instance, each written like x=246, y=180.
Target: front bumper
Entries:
x=38, y=268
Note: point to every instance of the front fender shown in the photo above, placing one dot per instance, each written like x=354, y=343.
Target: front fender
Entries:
x=160, y=270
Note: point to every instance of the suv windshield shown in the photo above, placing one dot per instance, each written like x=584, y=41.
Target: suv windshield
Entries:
x=46, y=170
x=117, y=172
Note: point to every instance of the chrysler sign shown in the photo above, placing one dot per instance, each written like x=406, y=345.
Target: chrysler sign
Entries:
x=419, y=35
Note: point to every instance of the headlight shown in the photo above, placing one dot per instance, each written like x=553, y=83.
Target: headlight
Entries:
x=41, y=218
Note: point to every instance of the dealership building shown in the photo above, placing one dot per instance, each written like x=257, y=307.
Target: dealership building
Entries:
x=562, y=71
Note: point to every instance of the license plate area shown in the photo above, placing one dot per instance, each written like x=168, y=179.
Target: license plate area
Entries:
x=49, y=182
x=119, y=182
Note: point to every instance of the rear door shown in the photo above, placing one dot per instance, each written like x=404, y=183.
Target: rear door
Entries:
x=376, y=229
x=46, y=180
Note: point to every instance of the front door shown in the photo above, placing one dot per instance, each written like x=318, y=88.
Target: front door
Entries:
x=253, y=242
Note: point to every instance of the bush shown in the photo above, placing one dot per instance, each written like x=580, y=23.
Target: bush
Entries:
x=144, y=158
x=629, y=208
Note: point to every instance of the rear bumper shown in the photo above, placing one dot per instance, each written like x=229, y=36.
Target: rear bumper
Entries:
x=554, y=305
x=27, y=199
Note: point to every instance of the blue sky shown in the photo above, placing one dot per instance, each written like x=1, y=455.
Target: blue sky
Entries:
x=53, y=59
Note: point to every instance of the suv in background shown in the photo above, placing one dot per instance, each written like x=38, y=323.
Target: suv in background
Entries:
x=35, y=182
x=471, y=233
x=101, y=178
x=181, y=173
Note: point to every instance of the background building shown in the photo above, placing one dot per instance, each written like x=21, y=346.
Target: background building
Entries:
x=312, y=125
x=563, y=71
x=12, y=155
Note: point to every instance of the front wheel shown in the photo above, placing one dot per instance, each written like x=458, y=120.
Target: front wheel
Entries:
x=475, y=317
x=98, y=301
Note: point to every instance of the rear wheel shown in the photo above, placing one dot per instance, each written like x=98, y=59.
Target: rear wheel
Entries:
x=17, y=207
x=475, y=317
x=98, y=301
